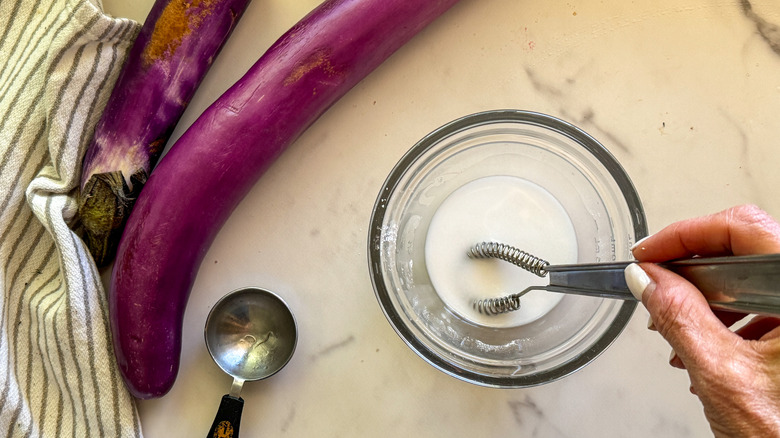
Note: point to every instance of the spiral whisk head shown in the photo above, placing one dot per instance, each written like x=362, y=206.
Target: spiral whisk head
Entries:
x=509, y=254
x=496, y=306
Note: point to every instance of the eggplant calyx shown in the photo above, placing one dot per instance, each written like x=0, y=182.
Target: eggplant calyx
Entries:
x=104, y=206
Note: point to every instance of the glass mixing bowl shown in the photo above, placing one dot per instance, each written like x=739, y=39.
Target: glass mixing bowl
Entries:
x=583, y=208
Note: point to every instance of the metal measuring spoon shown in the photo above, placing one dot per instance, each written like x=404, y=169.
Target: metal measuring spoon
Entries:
x=251, y=334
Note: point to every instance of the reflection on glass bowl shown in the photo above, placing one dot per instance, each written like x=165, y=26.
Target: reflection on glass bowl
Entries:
x=532, y=181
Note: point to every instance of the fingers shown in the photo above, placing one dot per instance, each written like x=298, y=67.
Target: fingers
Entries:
x=729, y=317
x=761, y=327
x=681, y=315
x=728, y=370
x=739, y=230
x=675, y=361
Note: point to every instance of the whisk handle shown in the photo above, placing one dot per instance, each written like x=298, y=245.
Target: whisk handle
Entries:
x=604, y=280
x=749, y=284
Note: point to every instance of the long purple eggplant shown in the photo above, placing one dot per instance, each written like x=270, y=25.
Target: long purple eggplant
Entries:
x=213, y=165
x=172, y=53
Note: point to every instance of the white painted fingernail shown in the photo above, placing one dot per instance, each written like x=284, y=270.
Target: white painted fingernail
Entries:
x=650, y=324
x=672, y=355
x=639, y=243
x=637, y=280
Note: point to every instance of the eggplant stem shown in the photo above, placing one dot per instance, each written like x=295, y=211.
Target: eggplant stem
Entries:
x=104, y=206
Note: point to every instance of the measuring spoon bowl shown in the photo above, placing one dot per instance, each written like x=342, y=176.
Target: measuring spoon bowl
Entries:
x=251, y=334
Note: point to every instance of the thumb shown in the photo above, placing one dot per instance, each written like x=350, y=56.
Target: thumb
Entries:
x=680, y=314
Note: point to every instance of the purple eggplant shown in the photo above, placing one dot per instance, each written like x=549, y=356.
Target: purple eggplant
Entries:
x=172, y=53
x=206, y=173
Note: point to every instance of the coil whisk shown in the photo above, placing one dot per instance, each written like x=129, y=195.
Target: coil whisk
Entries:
x=496, y=306
x=509, y=254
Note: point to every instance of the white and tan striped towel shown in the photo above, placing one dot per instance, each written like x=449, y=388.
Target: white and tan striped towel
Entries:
x=59, y=60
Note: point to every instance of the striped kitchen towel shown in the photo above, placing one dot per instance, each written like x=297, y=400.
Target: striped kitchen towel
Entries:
x=59, y=60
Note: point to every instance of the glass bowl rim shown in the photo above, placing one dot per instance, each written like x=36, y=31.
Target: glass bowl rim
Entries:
x=581, y=138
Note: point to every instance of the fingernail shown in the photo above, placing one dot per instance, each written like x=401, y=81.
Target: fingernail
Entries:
x=650, y=324
x=637, y=280
x=639, y=243
x=672, y=355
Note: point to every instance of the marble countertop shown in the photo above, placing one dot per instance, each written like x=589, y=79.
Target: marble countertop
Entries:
x=685, y=95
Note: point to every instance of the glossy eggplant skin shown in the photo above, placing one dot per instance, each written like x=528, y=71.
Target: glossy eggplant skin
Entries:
x=171, y=55
x=218, y=159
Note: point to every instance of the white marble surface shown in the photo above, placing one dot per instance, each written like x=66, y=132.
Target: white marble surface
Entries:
x=685, y=94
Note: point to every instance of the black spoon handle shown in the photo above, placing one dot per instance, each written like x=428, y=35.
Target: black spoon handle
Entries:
x=228, y=418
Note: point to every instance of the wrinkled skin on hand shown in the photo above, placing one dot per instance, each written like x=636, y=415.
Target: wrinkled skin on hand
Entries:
x=735, y=374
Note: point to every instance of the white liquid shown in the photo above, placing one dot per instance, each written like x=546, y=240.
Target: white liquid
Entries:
x=503, y=209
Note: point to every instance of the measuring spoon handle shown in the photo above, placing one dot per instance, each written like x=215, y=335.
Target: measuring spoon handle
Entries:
x=228, y=418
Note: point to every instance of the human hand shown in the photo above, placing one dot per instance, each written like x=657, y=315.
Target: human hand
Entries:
x=735, y=374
